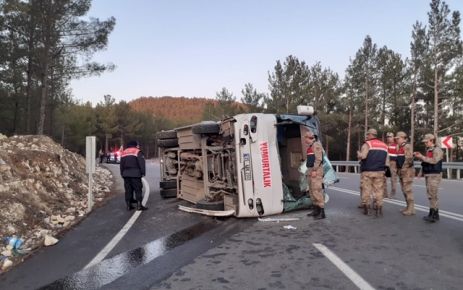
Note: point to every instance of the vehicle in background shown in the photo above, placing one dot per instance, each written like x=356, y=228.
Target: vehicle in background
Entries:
x=246, y=165
x=114, y=157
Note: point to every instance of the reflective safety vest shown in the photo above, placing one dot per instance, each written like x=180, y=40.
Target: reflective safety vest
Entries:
x=376, y=158
x=392, y=150
x=401, y=155
x=429, y=168
x=131, y=151
x=311, y=157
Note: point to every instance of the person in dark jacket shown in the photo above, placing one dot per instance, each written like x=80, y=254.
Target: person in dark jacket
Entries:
x=132, y=170
x=374, y=160
x=431, y=168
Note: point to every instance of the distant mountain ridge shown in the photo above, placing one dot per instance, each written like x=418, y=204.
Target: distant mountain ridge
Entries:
x=178, y=110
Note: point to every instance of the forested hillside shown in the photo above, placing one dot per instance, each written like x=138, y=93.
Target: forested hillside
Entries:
x=178, y=110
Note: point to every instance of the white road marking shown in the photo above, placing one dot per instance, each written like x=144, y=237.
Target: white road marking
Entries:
x=447, y=214
x=108, y=248
x=349, y=272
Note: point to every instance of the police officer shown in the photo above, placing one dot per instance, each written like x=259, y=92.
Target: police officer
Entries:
x=374, y=159
x=431, y=168
x=315, y=174
x=392, y=151
x=132, y=170
x=406, y=171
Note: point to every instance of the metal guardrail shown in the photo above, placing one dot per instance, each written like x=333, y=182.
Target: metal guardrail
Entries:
x=450, y=167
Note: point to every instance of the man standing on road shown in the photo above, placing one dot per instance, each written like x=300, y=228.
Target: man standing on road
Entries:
x=406, y=171
x=132, y=170
x=392, y=151
x=431, y=168
x=315, y=174
x=374, y=159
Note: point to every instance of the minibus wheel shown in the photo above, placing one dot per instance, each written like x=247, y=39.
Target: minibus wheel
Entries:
x=210, y=205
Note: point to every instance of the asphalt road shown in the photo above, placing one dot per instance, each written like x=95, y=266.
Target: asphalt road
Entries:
x=170, y=249
x=393, y=252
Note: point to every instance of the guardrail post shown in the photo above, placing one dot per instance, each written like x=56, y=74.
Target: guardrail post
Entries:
x=458, y=173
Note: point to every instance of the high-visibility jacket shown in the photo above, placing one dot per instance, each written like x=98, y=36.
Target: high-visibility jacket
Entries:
x=132, y=163
x=429, y=168
x=311, y=155
x=376, y=158
x=392, y=151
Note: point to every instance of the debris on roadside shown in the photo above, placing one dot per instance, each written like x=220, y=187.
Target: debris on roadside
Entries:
x=50, y=241
x=278, y=219
x=289, y=227
x=6, y=264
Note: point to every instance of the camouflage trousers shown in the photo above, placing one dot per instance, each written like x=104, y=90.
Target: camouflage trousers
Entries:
x=406, y=176
x=316, y=188
x=372, y=184
x=432, y=187
x=361, y=189
x=394, y=173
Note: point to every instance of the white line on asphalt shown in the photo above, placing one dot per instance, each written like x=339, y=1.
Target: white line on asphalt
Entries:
x=108, y=248
x=348, y=271
x=447, y=214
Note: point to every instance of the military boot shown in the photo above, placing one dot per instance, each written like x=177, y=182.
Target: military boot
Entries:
x=313, y=211
x=140, y=206
x=436, y=214
x=129, y=205
x=405, y=208
x=366, y=209
x=320, y=215
x=430, y=217
x=410, y=209
x=379, y=211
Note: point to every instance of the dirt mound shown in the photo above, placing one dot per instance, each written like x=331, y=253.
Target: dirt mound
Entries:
x=43, y=191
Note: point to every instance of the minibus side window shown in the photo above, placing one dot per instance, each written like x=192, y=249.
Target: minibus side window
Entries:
x=253, y=124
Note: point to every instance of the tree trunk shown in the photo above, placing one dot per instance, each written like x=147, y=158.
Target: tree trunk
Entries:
x=15, y=116
x=349, y=130
x=412, y=117
x=43, y=98
x=29, y=88
x=366, y=107
x=52, y=104
x=62, y=135
x=436, y=103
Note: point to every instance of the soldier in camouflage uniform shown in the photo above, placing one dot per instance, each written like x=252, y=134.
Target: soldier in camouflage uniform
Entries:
x=406, y=171
x=374, y=159
x=315, y=174
x=392, y=151
x=431, y=168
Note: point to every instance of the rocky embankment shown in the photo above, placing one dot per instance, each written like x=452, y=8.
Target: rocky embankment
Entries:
x=43, y=192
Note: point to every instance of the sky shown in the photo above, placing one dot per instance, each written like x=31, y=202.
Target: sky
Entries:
x=194, y=48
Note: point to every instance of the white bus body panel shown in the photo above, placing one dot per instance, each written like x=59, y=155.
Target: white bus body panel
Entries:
x=259, y=171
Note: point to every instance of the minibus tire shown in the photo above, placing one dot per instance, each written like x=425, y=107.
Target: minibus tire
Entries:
x=206, y=128
x=170, y=134
x=168, y=184
x=168, y=193
x=168, y=143
x=210, y=205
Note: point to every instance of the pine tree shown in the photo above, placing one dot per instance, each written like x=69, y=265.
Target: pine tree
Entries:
x=445, y=47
